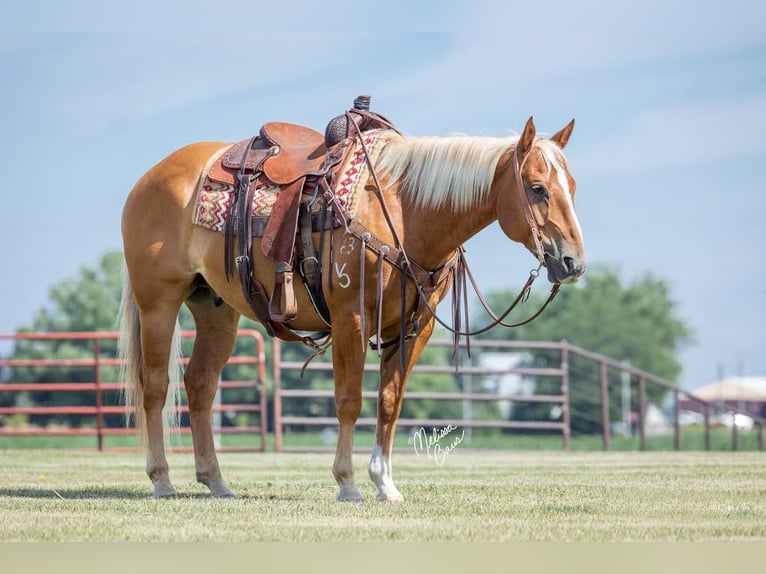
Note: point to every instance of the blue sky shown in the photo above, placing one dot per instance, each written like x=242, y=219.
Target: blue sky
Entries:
x=668, y=151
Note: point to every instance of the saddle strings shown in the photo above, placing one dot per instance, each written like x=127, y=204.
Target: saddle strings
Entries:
x=362, y=312
x=379, y=296
x=397, y=244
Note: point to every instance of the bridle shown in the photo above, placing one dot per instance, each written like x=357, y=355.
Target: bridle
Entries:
x=518, y=165
x=460, y=267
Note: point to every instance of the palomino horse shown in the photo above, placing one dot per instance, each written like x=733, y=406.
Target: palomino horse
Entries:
x=435, y=193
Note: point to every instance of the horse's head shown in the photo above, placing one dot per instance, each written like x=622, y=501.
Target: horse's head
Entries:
x=547, y=203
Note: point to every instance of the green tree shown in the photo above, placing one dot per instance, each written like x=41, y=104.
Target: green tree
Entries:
x=87, y=303
x=90, y=302
x=636, y=323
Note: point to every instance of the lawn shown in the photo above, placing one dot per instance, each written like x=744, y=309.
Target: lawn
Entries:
x=57, y=495
x=692, y=438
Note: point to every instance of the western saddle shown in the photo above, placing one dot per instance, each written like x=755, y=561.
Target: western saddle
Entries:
x=303, y=163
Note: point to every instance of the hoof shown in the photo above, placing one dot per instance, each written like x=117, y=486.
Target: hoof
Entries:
x=218, y=487
x=164, y=491
x=223, y=494
x=389, y=493
x=220, y=490
x=388, y=498
x=350, y=495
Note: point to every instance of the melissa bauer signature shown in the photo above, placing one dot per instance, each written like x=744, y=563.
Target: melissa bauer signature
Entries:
x=431, y=445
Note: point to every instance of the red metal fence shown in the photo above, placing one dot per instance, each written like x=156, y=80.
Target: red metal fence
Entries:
x=608, y=374
x=561, y=426
x=96, y=388
x=641, y=379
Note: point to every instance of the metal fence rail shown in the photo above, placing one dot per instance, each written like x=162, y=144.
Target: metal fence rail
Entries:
x=98, y=410
x=282, y=420
x=643, y=379
x=638, y=380
x=608, y=372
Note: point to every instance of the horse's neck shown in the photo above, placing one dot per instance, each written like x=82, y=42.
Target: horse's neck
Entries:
x=433, y=235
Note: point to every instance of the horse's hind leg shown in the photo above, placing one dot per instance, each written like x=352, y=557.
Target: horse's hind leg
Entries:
x=157, y=327
x=216, y=334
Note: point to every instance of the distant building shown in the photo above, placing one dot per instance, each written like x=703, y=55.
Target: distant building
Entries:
x=742, y=393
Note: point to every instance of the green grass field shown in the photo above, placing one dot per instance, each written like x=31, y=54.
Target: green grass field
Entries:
x=692, y=438
x=56, y=495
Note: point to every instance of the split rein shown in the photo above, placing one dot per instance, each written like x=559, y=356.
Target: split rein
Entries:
x=460, y=294
x=459, y=268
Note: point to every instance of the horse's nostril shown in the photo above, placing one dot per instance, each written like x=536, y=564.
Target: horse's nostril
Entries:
x=569, y=264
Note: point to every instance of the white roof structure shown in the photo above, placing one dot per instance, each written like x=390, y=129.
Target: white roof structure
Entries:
x=734, y=389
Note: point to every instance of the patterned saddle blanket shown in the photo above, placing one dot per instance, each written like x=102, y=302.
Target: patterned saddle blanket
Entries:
x=216, y=188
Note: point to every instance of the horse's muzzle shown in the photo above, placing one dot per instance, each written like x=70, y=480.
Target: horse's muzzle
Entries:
x=564, y=269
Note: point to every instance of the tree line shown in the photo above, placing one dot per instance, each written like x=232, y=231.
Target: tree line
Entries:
x=635, y=322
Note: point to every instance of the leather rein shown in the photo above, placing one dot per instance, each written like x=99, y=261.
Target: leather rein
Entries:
x=457, y=264
x=463, y=270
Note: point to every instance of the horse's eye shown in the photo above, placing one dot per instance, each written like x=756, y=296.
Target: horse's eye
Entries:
x=539, y=189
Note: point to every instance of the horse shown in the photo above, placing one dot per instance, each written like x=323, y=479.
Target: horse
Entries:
x=425, y=196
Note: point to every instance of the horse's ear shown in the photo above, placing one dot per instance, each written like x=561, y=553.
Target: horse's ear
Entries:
x=562, y=137
x=527, y=137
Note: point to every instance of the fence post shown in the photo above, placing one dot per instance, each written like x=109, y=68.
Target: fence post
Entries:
x=99, y=397
x=642, y=412
x=707, y=426
x=466, y=384
x=676, y=424
x=262, y=394
x=605, y=425
x=276, y=357
x=565, y=415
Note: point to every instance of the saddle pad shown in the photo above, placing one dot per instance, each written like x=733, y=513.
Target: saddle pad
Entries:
x=214, y=198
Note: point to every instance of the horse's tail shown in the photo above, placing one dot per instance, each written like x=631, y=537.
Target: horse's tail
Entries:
x=129, y=353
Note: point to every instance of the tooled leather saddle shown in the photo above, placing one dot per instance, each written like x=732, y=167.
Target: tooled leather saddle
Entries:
x=303, y=163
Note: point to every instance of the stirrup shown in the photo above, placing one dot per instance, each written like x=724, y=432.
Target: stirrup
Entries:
x=282, y=305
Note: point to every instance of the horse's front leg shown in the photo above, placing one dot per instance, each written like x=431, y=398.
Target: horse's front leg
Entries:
x=393, y=383
x=348, y=368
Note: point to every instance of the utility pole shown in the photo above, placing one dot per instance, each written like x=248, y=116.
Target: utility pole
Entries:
x=625, y=382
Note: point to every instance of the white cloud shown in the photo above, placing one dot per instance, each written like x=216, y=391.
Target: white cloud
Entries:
x=510, y=43
x=129, y=77
x=680, y=135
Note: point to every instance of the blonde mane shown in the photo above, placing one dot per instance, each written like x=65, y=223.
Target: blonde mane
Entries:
x=455, y=171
